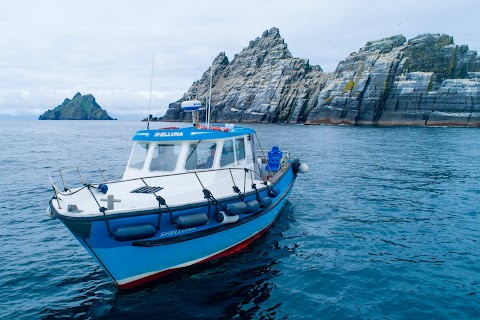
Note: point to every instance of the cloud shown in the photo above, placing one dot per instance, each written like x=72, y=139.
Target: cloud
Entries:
x=52, y=49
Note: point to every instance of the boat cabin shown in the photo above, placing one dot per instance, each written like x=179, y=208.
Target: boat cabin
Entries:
x=179, y=150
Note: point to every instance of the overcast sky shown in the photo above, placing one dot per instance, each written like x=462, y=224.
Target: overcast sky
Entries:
x=49, y=50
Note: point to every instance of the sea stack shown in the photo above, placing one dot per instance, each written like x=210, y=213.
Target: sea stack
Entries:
x=78, y=108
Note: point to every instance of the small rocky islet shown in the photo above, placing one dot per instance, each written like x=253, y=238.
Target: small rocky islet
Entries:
x=425, y=81
x=80, y=107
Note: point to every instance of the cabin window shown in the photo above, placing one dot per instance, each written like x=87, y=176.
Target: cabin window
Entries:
x=165, y=157
x=228, y=156
x=201, y=155
x=139, y=154
x=240, y=148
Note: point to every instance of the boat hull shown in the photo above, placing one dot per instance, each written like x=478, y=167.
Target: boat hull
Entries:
x=136, y=262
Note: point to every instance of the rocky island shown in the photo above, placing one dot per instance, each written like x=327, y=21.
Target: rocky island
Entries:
x=79, y=108
x=425, y=81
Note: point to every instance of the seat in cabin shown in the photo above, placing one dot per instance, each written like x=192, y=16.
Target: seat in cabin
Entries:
x=274, y=158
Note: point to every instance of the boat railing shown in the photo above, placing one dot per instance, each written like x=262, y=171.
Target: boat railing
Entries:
x=80, y=174
x=262, y=156
x=83, y=172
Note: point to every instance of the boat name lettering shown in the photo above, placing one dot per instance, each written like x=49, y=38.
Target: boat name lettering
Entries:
x=169, y=134
x=173, y=232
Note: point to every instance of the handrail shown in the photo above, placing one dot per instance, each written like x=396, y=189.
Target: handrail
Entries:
x=85, y=185
x=76, y=168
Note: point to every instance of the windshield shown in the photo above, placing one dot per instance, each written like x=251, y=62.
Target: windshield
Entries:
x=139, y=155
x=228, y=157
x=165, y=157
x=201, y=155
x=240, y=148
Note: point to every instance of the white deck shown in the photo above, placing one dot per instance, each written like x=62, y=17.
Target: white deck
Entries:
x=177, y=190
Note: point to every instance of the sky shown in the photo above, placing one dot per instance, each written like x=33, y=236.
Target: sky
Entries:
x=50, y=50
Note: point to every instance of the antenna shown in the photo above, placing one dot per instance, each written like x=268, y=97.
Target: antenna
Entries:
x=151, y=85
x=210, y=97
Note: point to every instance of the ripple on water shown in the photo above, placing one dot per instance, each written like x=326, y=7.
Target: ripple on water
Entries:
x=383, y=226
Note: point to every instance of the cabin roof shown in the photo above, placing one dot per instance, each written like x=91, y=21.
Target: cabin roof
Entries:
x=190, y=133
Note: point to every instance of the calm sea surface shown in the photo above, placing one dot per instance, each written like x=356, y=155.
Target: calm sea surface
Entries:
x=384, y=226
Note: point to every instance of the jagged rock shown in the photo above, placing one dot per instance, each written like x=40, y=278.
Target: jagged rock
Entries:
x=79, y=108
x=263, y=83
x=427, y=80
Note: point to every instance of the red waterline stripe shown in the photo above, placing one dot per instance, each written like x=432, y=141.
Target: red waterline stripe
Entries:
x=227, y=252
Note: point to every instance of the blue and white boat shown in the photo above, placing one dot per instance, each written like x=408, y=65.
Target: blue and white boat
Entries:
x=188, y=195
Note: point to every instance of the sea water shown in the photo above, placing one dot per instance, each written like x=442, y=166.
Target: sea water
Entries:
x=385, y=225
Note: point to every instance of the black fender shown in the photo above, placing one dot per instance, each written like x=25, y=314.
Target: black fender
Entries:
x=295, y=165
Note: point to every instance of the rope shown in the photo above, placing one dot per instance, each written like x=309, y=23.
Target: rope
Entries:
x=235, y=188
x=161, y=201
x=101, y=208
x=257, y=195
x=244, y=179
x=206, y=195
x=209, y=196
x=254, y=187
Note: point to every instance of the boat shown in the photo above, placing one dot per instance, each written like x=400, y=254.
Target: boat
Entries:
x=187, y=195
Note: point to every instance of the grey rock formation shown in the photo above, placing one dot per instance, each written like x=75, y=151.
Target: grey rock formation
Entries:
x=263, y=83
x=79, y=108
x=427, y=80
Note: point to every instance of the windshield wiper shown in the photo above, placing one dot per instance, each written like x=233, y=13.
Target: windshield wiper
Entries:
x=195, y=148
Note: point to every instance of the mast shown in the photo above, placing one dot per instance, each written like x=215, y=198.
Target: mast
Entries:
x=151, y=85
x=210, y=97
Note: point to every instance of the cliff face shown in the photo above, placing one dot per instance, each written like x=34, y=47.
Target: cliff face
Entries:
x=427, y=80
x=263, y=83
x=79, y=108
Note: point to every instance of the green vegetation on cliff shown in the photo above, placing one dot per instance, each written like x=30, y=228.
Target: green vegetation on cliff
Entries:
x=79, y=108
